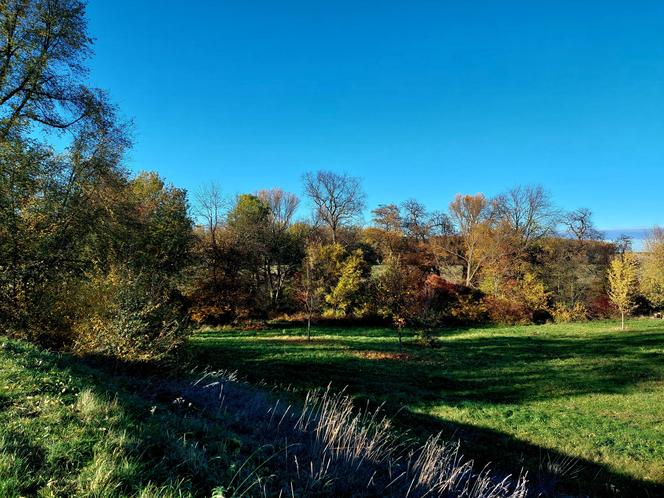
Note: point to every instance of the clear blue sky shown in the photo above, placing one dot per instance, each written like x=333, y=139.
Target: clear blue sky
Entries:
x=420, y=99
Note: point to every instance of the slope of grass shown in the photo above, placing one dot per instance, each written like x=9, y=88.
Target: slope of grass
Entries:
x=69, y=429
x=538, y=396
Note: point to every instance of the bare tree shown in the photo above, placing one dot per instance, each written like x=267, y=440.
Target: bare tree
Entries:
x=623, y=244
x=579, y=224
x=210, y=209
x=337, y=198
x=281, y=259
x=282, y=206
x=415, y=220
x=528, y=212
x=440, y=224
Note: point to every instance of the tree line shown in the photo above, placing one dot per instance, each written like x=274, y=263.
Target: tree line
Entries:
x=95, y=259
x=513, y=258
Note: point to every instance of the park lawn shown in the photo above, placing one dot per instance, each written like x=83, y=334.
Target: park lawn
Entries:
x=537, y=396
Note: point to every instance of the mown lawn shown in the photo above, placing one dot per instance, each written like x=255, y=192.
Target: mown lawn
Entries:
x=582, y=402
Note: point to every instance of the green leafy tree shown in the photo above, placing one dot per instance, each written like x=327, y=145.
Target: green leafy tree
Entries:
x=162, y=238
x=45, y=45
x=54, y=214
x=347, y=295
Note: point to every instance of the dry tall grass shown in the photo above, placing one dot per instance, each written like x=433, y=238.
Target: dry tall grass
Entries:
x=326, y=447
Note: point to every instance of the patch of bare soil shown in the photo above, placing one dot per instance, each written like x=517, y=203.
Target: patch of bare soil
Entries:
x=382, y=355
x=298, y=339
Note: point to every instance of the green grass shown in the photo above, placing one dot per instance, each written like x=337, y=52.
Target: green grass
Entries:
x=87, y=427
x=530, y=396
x=70, y=427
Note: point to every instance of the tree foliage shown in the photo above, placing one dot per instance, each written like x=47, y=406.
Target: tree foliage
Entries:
x=652, y=270
x=72, y=219
x=623, y=281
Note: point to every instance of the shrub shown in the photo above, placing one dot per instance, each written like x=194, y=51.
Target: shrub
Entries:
x=563, y=313
x=130, y=319
x=601, y=307
x=470, y=309
x=507, y=311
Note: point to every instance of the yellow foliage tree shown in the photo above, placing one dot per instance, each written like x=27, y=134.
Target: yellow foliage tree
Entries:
x=652, y=270
x=623, y=284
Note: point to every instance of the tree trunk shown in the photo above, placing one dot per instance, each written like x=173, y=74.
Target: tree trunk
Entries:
x=622, y=320
x=400, y=342
x=309, y=327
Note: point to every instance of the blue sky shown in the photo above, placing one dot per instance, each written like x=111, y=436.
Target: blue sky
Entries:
x=420, y=99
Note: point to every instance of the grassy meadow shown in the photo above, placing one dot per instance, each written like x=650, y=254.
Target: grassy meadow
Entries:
x=582, y=403
x=90, y=427
x=578, y=406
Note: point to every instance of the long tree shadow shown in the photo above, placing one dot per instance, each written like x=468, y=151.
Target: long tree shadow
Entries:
x=487, y=370
x=551, y=472
x=498, y=370
x=176, y=429
x=119, y=424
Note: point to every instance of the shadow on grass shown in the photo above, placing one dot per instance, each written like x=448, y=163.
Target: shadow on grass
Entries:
x=552, y=473
x=502, y=369
x=491, y=370
x=179, y=435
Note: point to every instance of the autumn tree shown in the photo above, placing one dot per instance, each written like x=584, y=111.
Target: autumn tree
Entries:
x=623, y=282
x=385, y=235
x=214, y=285
x=398, y=287
x=347, y=295
x=338, y=199
x=652, y=271
x=387, y=217
x=160, y=245
x=54, y=222
x=129, y=304
x=310, y=286
x=473, y=217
